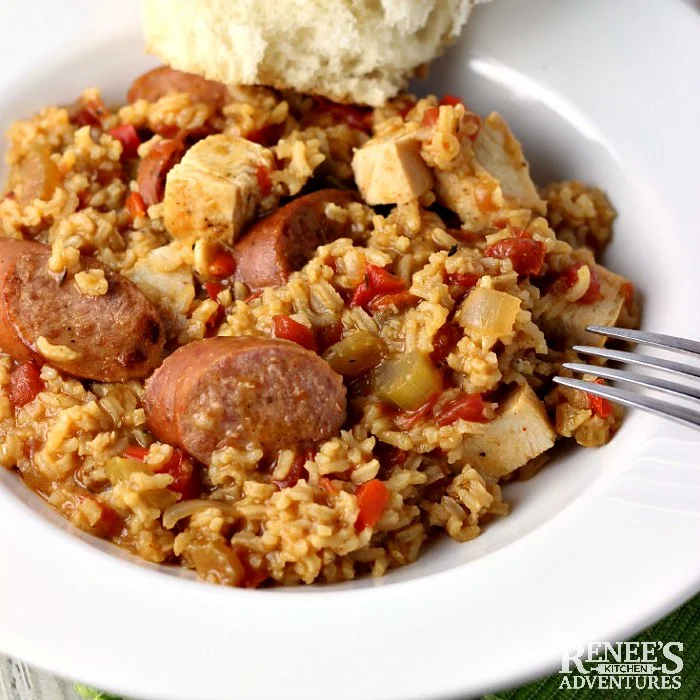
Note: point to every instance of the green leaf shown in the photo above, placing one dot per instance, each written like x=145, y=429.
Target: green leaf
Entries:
x=92, y=693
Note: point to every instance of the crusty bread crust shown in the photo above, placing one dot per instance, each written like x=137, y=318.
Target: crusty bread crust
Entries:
x=360, y=51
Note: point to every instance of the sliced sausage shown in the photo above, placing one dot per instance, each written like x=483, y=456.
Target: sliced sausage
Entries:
x=226, y=391
x=114, y=337
x=154, y=168
x=163, y=80
x=286, y=240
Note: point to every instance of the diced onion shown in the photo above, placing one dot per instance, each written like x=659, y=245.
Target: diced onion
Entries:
x=38, y=174
x=488, y=312
x=356, y=353
x=407, y=381
x=178, y=511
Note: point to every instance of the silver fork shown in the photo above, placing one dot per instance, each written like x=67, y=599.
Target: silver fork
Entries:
x=687, y=415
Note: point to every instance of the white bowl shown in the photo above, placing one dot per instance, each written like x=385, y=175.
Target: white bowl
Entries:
x=599, y=544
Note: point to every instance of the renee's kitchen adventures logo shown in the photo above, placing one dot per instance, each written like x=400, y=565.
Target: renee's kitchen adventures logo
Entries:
x=623, y=666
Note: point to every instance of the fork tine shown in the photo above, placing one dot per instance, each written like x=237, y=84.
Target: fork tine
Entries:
x=644, y=380
x=665, y=409
x=657, y=340
x=634, y=359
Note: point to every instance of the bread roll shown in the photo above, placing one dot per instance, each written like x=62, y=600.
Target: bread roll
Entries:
x=361, y=51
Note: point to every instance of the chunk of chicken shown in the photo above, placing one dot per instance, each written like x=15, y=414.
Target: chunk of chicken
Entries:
x=491, y=173
x=520, y=432
x=166, y=279
x=389, y=169
x=566, y=321
x=214, y=191
x=473, y=198
x=500, y=154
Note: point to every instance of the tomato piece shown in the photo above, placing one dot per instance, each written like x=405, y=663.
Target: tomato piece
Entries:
x=377, y=281
x=362, y=295
x=382, y=281
x=127, y=134
x=430, y=116
x=468, y=407
x=405, y=420
x=185, y=475
x=402, y=300
x=169, y=131
x=372, y=497
x=296, y=471
x=525, y=254
x=593, y=293
x=25, y=384
x=460, y=283
x=465, y=280
x=136, y=452
x=262, y=175
x=135, y=205
x=223, y=265
x=450, y=100
x=445, y=341
x=287, y=328
x=600, y=405
x=213, y=289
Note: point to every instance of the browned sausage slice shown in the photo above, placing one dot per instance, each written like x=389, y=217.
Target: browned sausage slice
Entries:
x=114, y=337
x=286, y=240
x=160, y=81
x=226, y=391
x=154, y=168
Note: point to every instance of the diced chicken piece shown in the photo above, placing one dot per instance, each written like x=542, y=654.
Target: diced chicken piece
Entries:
x=389, y=169
x=468, y=195
x=567, y=321
x=520, y=432
x=166, y=280
x=498, y=152
x=214, y=191
x=491, y=173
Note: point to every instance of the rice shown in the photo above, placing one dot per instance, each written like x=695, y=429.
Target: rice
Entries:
x=293, y=518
